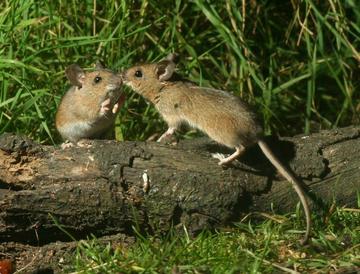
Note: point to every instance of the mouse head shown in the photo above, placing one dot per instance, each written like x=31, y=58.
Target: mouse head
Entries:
x=98, y=82
x=148, y=77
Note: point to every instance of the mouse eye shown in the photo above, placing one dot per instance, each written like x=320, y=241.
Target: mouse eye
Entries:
x=138, y=74
x=97, y=79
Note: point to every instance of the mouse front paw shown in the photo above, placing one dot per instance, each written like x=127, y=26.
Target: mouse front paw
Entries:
x=119, y=103
x=105, y=106
x=67, y=144
x=85, y=143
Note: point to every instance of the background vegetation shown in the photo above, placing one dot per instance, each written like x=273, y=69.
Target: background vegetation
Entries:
x=296, y=61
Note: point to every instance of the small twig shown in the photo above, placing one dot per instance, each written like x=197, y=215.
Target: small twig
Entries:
x=26, y=266
x=283, y=268
x=94, y=20
x=92, y=267
x=357, y=210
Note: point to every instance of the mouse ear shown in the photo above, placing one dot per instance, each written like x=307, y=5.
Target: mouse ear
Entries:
x=99, y=65
x=164, y=70
x=174, y=57
x=75, y=74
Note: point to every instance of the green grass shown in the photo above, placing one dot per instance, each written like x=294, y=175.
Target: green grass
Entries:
x=297, y=62
x=249, y=248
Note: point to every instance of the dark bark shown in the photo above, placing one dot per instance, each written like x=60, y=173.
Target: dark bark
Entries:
x=101, y=189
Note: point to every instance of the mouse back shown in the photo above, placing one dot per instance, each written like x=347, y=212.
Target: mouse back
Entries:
x=220, y=114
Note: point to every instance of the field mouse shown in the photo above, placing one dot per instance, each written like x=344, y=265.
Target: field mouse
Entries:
x=224, y=117
x=89, y=107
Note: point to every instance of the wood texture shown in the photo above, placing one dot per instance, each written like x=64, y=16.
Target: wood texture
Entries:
x=108, y=187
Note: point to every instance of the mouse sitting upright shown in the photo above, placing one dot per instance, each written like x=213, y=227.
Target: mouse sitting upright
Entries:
x=223, y=117
x=89, y=107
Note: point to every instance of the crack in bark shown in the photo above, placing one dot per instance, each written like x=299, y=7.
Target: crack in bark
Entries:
x=100, y=190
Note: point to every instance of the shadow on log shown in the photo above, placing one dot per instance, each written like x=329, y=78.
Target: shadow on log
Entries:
x=109, y=187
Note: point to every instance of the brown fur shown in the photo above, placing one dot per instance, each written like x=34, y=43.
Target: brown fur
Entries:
x=78, y=115
x=222, y=116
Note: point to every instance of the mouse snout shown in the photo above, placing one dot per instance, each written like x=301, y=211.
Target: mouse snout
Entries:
x=117, y=79
x=121, y=75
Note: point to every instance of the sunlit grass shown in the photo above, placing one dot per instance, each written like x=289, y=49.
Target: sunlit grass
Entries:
x=297, y=62
x=249, y=248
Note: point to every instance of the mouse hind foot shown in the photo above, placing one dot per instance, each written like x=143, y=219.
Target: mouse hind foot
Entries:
x=232, y=157
x=168, y=133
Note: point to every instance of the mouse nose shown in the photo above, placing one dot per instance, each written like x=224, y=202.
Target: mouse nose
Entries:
x=118, y=79
x=121, y=75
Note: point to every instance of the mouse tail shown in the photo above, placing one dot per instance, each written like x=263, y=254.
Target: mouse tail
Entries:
x=296, y=184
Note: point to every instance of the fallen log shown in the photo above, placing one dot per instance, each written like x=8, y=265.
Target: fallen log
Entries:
x=110, y=187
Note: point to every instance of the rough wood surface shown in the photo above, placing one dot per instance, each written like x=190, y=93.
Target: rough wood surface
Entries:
x=110, y=186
